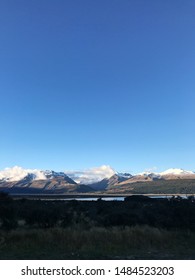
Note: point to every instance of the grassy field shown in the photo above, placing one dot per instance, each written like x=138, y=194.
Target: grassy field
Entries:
x=138, y=242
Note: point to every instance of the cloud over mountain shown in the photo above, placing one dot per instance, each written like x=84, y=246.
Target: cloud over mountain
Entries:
x=17, y=173
x=91, y=175
x=88, y=176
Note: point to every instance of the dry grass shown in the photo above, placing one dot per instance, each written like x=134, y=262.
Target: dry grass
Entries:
x=139, y=242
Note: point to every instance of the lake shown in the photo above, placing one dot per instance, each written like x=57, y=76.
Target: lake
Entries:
x=113, y=198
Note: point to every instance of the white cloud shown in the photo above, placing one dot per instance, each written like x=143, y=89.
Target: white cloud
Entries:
x=17, y=173
x=91, y=175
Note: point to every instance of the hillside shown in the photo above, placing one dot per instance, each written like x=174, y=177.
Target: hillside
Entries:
x=53, y=183
x=177, y=186
x=107, y=183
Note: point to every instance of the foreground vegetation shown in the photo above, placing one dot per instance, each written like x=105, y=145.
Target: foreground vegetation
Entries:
x=138, y=228
x=138, y=242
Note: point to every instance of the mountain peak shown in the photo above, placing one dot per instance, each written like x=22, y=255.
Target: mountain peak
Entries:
x=124, y=175
x=176, y=171
x=88, y=176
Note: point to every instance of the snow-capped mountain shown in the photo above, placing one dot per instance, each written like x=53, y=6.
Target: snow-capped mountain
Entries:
x=176, y=171
x=89, y=176
x=99, y=178
x=17, y=173
x=50, y=174
x=124, y=175
x=110, y=182
x=170, y=171
x=169, y=174
x=17, y=180
x=149, y=175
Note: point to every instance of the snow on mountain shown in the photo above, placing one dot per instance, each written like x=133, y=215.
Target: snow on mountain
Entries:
x=149, y=174
x=175, y=171
x=50, y=174
x=17, y=173
x=88, y=176
x=124, y=175
x=171, y=171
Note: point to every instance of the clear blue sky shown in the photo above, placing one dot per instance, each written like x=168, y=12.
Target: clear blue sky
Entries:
x=86, y=83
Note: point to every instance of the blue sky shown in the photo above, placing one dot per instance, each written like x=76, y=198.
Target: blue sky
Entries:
x=87, y=83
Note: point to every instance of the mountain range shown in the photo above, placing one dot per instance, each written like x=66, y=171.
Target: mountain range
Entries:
x=17, y=180
x=20, y=181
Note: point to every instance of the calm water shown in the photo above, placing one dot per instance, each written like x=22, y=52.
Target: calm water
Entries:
x=119, y=198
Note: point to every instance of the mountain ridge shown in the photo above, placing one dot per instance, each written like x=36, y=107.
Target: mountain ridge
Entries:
x=17, y=173
x=17, y=179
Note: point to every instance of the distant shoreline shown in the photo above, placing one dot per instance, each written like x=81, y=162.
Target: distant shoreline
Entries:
x=81, y=195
